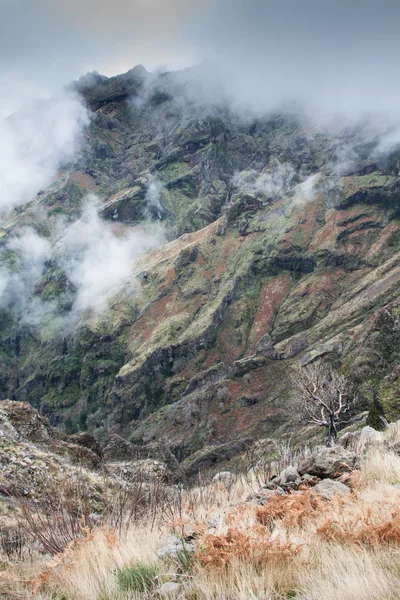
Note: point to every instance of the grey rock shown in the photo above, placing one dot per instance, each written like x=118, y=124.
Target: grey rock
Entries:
x=349, y=439
x=289, y=475
x=175, y=546
x=265, y=347
x=329, y=462
x=264, y=495
x=328, y=489
x=169, y=589
x=225, y=477
x=309, y=480
x=211, y=456
x=370, y=435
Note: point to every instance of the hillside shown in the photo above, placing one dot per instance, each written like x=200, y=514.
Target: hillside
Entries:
x=281, y=244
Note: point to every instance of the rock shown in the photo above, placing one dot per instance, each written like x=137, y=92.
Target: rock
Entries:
x=169, y=589
x=77, y=454
x=265, y=347
x=272, y=484
x=83, y=438
x=117, y=448
x=350, y=439
x=212, y=455
x=309, y=480
x=264, y=495
x=8, y=433
x=288, y=476
x=328, y=489
x=328, y=462
x=26, y=421
x=370, y=435
x=174, y=547
x=225, y=477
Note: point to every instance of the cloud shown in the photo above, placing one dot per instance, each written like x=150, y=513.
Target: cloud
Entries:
x=274, y=181
x=334, y=58
x=29, y=252
x=97, y=261
x=388, y=143
x=96, y=257
x=34, y=143
x=153, y=198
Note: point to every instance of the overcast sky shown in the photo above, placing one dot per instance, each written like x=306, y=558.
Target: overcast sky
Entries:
x=342, y=54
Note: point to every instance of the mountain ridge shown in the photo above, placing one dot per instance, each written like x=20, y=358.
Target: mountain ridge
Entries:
x=282, y=246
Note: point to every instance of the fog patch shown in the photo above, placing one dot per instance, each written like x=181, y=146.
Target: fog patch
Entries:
x=34, y=143
x=98, y=261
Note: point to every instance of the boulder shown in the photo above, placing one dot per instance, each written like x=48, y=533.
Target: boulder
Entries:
x=328, y=488
x=309, y=480
x=328, y=462
x=117, y=448
x=83, y=438
x=8, y=433
x=26, y=421
x=210, y=456
x=370, y=435
x=289, y=476
x=169, y=589
x=76, y=453
x=174, y=547
x=349, y=439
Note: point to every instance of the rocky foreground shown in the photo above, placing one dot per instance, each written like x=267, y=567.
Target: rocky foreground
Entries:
x=317, y=523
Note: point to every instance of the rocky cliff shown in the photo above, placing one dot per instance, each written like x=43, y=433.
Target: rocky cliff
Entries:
x=282, y=245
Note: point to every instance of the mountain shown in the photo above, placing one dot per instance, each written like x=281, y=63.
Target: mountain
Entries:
x=281, y=245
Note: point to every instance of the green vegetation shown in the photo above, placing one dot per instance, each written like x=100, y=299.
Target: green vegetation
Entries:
x=138, y=578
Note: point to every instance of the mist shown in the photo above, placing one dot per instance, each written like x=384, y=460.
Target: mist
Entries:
x=98, y=260
x=335, y=60
x=34, y=143
x=96, y=257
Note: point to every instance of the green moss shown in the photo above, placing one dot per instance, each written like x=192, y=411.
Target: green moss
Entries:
x=176, y=170
x=394, y=241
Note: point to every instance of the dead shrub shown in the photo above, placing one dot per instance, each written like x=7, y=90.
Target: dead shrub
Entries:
x=12, y=541
x=291, y=510
x=217, y=551
x=362, y=527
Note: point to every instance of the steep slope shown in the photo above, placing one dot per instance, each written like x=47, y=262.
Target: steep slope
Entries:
x=279, y=251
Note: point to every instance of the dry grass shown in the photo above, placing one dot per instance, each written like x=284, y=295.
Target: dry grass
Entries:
x=296, y=546
x=341, y=573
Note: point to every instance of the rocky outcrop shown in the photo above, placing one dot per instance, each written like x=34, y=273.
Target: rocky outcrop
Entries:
x=20, y=419
x=38, y=462
x=329, y=462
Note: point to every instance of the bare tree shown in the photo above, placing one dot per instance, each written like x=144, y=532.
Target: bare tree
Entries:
x=324, y=394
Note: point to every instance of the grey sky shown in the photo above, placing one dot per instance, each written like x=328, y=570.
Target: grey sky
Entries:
x=340, y=55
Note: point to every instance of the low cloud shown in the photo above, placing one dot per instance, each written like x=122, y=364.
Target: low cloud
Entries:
x=97, y=261
x=277, y=181
x=26, y=256
x=96, y=257
x=274, y=181
x=33, y=145
x=153, y=198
